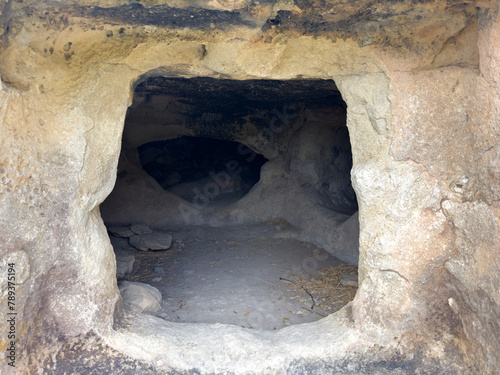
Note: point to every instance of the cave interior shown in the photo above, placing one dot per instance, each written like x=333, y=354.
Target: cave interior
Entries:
x=249, y=177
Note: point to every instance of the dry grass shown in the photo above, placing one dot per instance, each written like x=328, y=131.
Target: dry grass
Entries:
x=327, y=291
x=324, y=285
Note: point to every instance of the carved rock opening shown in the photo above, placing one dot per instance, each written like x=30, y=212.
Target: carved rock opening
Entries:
x=422, y=88
x=230, y=169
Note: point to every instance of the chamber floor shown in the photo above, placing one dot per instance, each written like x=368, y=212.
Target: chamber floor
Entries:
x=247, y=275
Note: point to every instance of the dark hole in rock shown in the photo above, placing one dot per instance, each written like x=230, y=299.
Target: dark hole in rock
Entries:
x=246, y=188
x=188, y=165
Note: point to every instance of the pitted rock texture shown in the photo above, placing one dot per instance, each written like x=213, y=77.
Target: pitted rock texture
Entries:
x=421, y=84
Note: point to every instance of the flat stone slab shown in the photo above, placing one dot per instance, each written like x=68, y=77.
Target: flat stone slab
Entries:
x=152, y=241
x=143, y=298
x=140, y=229
x=122, y=232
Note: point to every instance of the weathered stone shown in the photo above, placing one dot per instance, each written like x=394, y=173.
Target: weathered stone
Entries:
x=422, y=85
x=123, y=232
x=143, y=298
x=140, y=229
x=153, y=241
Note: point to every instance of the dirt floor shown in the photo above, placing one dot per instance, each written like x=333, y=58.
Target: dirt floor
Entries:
x=250, y=276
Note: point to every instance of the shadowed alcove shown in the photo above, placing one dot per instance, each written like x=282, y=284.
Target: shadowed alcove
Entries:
x=190, y=166
x=252, y=181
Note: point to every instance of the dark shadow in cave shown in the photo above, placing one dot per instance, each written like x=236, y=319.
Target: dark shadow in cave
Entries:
x=190, y=166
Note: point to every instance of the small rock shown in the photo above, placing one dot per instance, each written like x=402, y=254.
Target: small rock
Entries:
x=143, y=298
x=124, y=265
x=365, y=41
x=349, y=280
x=152, y=241
x=160, y=271
x=120, y=231
x=140, y=229
x=156, y=279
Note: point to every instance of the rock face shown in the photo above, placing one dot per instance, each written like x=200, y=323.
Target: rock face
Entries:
x=421, y=81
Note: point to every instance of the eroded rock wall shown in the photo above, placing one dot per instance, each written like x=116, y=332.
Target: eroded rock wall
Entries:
x=421, y=82
x=474, y=213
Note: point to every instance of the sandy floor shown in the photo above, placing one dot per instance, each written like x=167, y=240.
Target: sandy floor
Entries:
x=234, y=275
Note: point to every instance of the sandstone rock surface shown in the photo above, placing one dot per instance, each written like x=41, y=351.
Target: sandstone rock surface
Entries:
x=421, y=81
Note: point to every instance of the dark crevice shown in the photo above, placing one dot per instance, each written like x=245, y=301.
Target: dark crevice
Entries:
x=187, y=164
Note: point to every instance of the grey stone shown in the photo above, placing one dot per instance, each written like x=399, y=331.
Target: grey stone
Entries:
x=143, y=298
x=152, y=241
x=140, y=229
x=120, y=231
